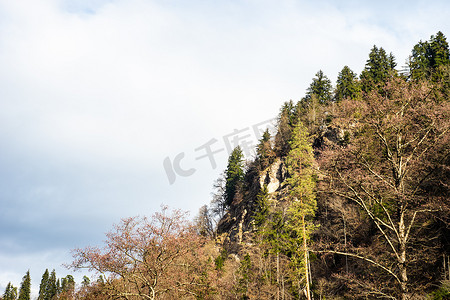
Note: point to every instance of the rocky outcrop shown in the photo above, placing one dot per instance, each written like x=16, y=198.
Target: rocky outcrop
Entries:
x=237, y=223
x=329, y=136
x=273, y=177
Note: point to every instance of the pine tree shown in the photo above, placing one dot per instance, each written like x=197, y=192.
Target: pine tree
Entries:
x=440, y=56
x=440, y=50
x=10, y=292
x=379, y=67
x=262, y=211
x=234, y=175
x=52, y=287
x=264, y=151
x=285, y=122
x=321, y=88
x=25, y=287
x=43, y=286
x=244, y=273
x=301, y=183
x=67, y=288
x=420, y=61
x=428, y=59
x=86, y=281
x=347, y=85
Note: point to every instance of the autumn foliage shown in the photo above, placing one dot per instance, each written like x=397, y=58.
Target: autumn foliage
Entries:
x=158, y=258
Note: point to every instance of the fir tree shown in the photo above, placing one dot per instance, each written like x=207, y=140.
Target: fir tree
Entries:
x=234, y=175
x=43, y=286
x=67, y=288
x=378, y=68
x=264, y=152
x=301, y=183
x=321, y=88
x=244, y=273
x=10, y=292
x=262, y=211
x=25, y=287
x=285, y=122
x=347, y=85
x=420, y=61
x=440, y=50
x=52, y=286
x=428, y=59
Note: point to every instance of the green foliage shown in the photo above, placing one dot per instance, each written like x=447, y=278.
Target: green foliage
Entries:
x=347, y=85
x=420, y=64
x=234, y=175
x=262, y=211
x=301, y=183
x=43, y=286
x=25, y=287
x=10, y=292
x=86, y=281
x=52, y=287
x=429, y=59
x=68, y=285
x=440, y=53
x=220, y=260
x=244, y=273
x=289, y=115
x=443, y=293
x=379, y=67
x=299, y=163
x=321, y=88
x=264, y=151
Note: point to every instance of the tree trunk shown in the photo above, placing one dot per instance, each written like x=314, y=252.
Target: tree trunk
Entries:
x=402, y=257
x=278, y=276
x=305, y=254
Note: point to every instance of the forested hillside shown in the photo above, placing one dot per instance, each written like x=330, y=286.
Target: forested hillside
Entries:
x=348, y=200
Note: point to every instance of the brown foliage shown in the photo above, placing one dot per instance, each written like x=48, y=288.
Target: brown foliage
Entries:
x=393, y=176
x=150, y=259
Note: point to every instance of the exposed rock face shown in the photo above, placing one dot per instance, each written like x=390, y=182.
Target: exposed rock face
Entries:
x=274, y=176
x=237, y=223
x=334, y=134
x=330, y=135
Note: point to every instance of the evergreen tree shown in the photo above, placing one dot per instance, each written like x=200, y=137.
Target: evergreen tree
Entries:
x=43, y=286
x=440, y=51
x=86, y=281
x=392, y=62
x=378, y=68
x=301, y=183
x=10, y=292
x=420, y=61
x=428, y=59
x=234, y=175
x=285, y=121
x=262, y=211
x=25, y=287
x=52, y=287
x=347, y=85
x=440, y=56
x=244, y=273
x=321, y=88
x=67, y=288
x=264, y=152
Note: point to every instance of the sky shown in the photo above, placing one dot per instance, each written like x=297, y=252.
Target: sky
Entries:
x=108, y=108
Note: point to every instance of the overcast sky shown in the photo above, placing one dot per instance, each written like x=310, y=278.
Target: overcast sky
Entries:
x=107, y=108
